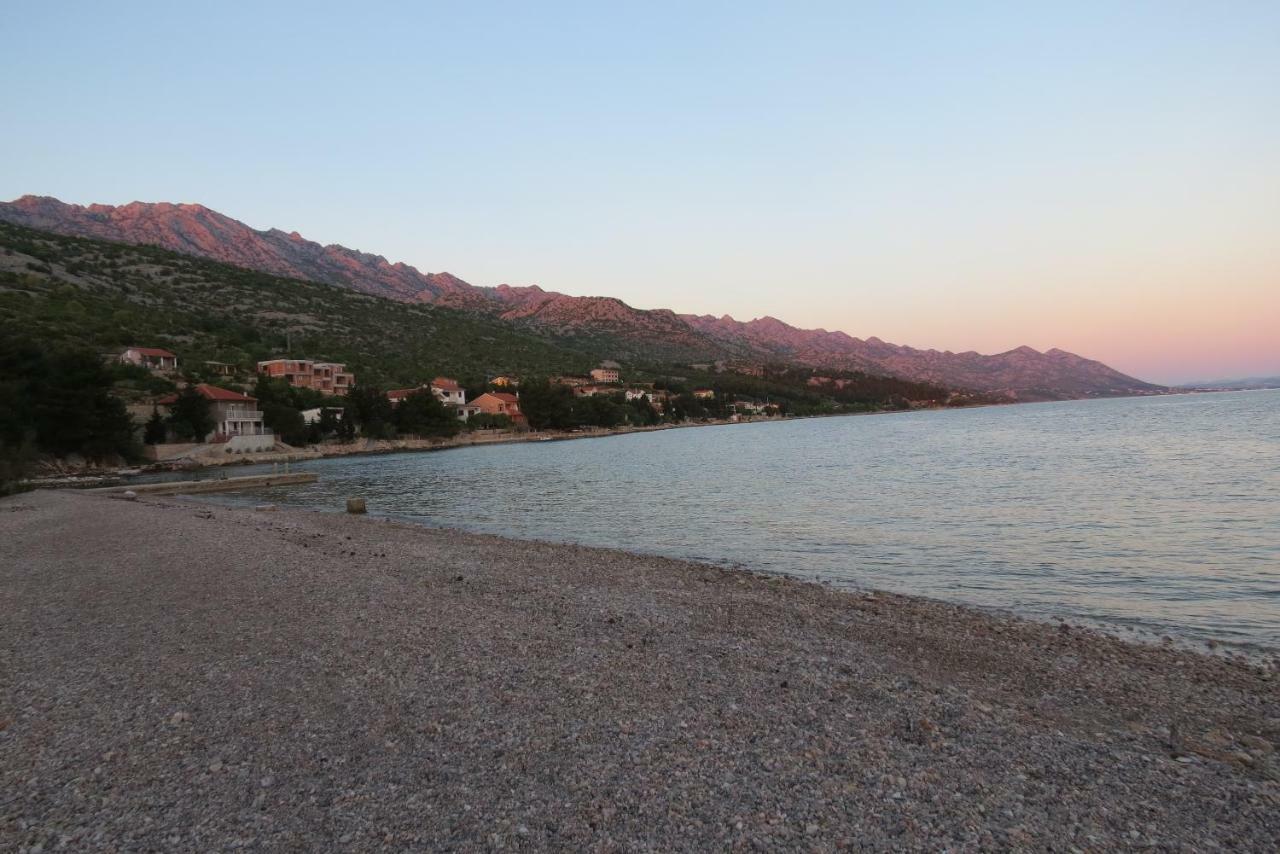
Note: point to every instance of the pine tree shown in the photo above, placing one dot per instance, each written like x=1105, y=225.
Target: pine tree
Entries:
x=155, y=431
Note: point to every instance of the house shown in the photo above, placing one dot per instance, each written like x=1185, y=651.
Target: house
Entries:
x=500, y=403
x=604, y=374
x=465, y=410
x=448, y=391
x=570, y=381
x=220, y=369
x=326, y=377
x=505, y=382
x=398, y=394
x=333, y=378
x=237, y=420
x=704, y=393
x=593, y=390
x=296, y=372
x=752, y=407
x=313, y=415
x=150, y=357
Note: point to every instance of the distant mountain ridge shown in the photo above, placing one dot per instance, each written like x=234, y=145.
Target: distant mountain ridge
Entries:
x=194, y=229
x=1242, y=383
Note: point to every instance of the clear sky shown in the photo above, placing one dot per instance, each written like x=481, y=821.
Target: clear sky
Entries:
x=1102, y=177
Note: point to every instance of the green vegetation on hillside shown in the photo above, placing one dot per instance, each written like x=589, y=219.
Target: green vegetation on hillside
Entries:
x=110, y=296
x=103, y=297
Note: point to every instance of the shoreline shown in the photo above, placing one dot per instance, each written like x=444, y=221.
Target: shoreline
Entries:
x=1161, y=636
x=316, y=680
x=379, y=447
x=374, y=447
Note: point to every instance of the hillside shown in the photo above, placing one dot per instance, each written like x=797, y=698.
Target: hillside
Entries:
x=66, y=290
x=110, y=296
x=1025, y=371
x=588, y=324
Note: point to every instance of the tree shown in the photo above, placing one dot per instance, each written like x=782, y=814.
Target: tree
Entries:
x=372, y=411
x=489, y=421
x=642, y=412
x=155, y=431
x=346, y=427
x=286, y=422
x=189, y=416
x=598, y=411
x=60, y=402
x=421, y=414
x=546, y=405
x=75, y=411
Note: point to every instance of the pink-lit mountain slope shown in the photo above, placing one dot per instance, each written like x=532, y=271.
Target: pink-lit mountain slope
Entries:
x=1024, y=371
x=634, y=333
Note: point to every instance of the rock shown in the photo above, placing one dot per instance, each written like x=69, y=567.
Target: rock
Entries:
x=179, y=718
x=267, y=782
x=1257, y=744
x=356, y=505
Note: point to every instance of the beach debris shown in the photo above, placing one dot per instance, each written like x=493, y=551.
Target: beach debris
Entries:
x=266, y=508
x=356, y=505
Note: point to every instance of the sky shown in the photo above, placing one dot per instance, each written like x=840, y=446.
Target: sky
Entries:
x=1100, y=177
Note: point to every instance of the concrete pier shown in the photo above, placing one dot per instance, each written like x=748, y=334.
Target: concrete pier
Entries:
x=225, y=484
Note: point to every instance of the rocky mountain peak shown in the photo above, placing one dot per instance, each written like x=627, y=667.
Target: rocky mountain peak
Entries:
x=197, y=230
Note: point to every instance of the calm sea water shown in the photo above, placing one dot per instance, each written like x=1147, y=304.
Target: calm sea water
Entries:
x=1160, y=514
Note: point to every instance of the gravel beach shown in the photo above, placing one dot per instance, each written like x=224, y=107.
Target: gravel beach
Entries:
x=182, y=677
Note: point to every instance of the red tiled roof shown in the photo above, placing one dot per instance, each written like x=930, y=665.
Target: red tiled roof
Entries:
x=211, y=392
x=153, y=351
x=402, y=392
x=505, y=397
x=445, y=383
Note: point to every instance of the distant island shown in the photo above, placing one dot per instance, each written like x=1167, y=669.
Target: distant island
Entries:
x=1234, y=385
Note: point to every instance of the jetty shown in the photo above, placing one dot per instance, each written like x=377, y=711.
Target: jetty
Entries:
x=220, y=484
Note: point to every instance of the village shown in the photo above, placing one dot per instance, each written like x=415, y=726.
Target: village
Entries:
x=317, y=408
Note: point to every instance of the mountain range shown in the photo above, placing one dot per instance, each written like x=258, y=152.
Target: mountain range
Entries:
x=660, y=334
x=1242, y=383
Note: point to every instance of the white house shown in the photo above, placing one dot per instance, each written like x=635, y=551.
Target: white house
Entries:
x=150, y=357
x=237, y=421
x=448, y=391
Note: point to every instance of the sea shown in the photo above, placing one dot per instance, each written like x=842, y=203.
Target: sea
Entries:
x=1151, y=517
